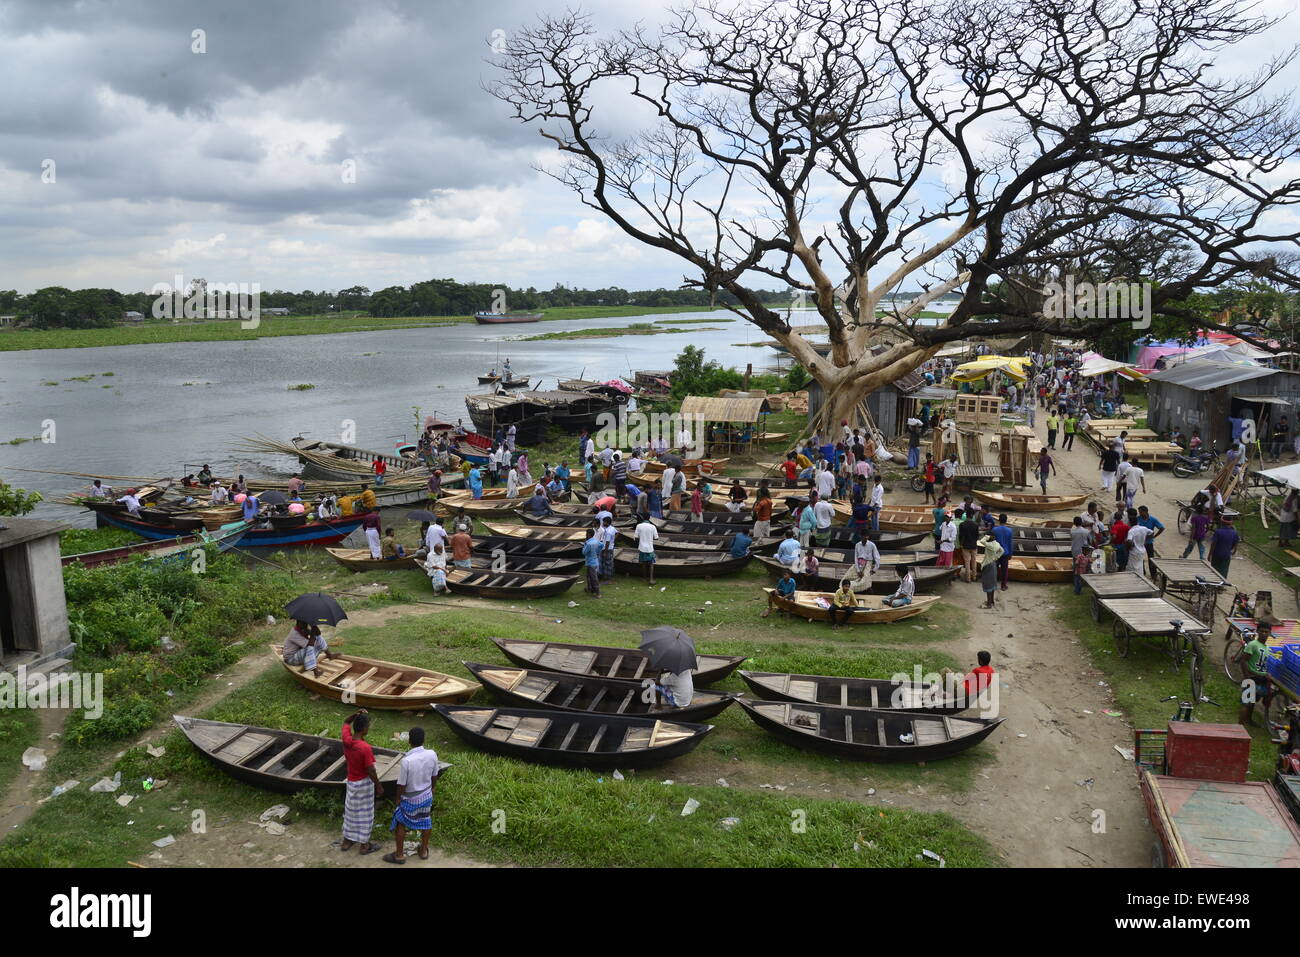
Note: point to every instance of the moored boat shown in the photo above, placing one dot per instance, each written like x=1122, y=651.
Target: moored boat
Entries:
x=884, y=582
x=681, y=565
x=486, y=583
x=1029, y=568
x=870, y=609
x=847, y=692
x=606, y=661
x=1025, y=502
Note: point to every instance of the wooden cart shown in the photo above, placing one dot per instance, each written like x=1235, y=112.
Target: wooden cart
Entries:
x=1193, y=580
x=1151, y=618
x=1116, y=585
x=1218, y=823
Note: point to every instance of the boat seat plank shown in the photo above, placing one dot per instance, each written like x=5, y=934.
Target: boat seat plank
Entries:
x=848, y=728
x=596, y=699
x=568, y=737
x=613, y=669
x=238, y=733
x=249, y=743
x=641, y=666
x=252, y=753
x=627, y=700
x=881, y=736
x=875, y=697
x=929, y=731
x=595, y=741
x=338, y=763
x=666, y=733
x=637, y=739
x=536, y=687
x=529, y=731
x=844, y=694
x=306, y=762
x=798, y=688
x=573, y=693
x=384, y=686
x=425, y=685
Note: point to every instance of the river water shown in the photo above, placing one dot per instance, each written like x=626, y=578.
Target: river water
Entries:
x=169, y=408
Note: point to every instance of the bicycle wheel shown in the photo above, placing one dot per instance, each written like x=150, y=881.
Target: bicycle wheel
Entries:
x=918, y=483
x=1183, y=515
x=1234, y=669
x=1177, y=649
x=1197, y=673
x=1123, y=639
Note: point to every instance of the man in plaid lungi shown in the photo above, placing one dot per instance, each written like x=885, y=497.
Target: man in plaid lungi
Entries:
x=362, y=785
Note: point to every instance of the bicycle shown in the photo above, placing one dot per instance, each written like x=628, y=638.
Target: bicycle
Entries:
x=1186, y=644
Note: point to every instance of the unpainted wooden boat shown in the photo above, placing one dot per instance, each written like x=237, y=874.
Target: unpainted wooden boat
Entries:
x=881, y=694
x=573, y=740
x=1025, y=502
x=689, y=467
x=383, y=685
x=681, y=565
x=285, y=761
x=587, y=694
x=536, y=533
x=884, y=582
x=566, y=520
x=479, y=507
x=605, y=661
x=485, y=583
x=1028, y=568
x=870, y=609
x=359, y=560
x=866, y=734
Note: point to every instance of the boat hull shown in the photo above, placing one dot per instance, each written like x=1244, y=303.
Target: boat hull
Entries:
x=316, y=533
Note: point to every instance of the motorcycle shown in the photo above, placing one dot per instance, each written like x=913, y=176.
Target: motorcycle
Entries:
x=1186, y=466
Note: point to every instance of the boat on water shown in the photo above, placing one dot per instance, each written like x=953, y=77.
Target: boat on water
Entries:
x=309, y=533
x=490, y=412
x=504, y=318
x=285, y=761
x=162, y=549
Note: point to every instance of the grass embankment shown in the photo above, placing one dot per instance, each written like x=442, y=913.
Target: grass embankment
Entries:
x=75, y=541
x=221, y=330
x=1148, y=675
x=636, y=329
x=19, y=728
x=556, y=816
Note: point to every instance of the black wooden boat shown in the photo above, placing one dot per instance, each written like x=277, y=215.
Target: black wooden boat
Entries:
x=744, y=517
x=491, y=412
x=525, y=548
x=884, y=582
x=867, y=734
x=485, y=583
x=844, y=537
x=684, y=543
x=278, y=760
x=669, y=564
x=573, y=740
x=845, y=556
x=671, y=527
x=881, y=694
x=587, y=694
x=605, y=661
x=566, y=520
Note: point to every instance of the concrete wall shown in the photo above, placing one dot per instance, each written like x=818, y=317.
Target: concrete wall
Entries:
x=38, y=611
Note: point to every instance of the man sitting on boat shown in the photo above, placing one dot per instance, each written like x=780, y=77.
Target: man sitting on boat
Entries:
x=906, y=589
x=304, y=646
x=99, y=490
x=391, y=549
x=539, y=504
x=204, y=476
x=676, y=690
x=785, y=587
x=219, y=495
x=789, y=549
x=131, y=502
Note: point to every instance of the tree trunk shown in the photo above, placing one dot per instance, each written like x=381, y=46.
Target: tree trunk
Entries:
x=840, y=403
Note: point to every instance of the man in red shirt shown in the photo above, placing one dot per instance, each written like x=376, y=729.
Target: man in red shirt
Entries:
x=1119, y=539
x=790, y=468
x=763, y=514
x=380, y=468
x=362, y=786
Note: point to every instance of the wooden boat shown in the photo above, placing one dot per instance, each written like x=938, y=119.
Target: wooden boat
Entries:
x=491, y=412
x=479, y=508
x=683, y=543
x=846, y=538
x=516, y=383
x=587, y=694
x=502, y=318
x=485, y=583
x=464, y=495
x=162, y=549
x=318, y=532
x=1031, y=503
x=516, y=548
x=606, y=662
x=573, y=740
x=689, y=467
x=588, y=511
x=565, y=520
x=884, y=582
x=865, y=734
x=870, y=608
x=536, y=533
x=1027, y=568
x=285, y=761
x=359, y=560
x=881, y=694
x=681, y=565
x=384, y=685
x=745, y=517
x=845, y=556
x=672, y=527
x=488, y=379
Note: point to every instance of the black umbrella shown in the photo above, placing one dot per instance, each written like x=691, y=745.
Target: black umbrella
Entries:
x=669, y=648
x=273, y=498
x=420, y=515
x=668, y=458
x=316, y=608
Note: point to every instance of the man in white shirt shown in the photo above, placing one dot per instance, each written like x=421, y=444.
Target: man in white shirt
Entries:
x=416, y=776
x=684, y=440
x=1121, y=473
x=877, y=502
x=646, y=534
x=865, y=553
x=949, y=468
x=824, y=512
x=1134, y=480
x=218, y=496
x=1136, y=549
x=100, y=490
x=669, y=476
x=906, y=588
x=826, y=482
x=436, y=535
x=131, y=502
x=677, y=689
x=947, y=540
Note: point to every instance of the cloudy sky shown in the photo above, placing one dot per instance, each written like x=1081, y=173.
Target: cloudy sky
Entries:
x=227, y=164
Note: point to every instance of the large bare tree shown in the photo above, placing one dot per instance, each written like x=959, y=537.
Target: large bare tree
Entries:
x=856, y=149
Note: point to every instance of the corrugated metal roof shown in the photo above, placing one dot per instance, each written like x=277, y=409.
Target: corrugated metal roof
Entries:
x=1205, y=374
x=714, y=409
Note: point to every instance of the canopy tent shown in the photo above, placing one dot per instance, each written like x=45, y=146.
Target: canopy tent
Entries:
x=1095, y=365
x=1011, y=366
x=731, y=424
